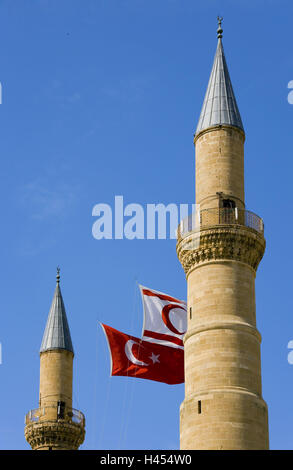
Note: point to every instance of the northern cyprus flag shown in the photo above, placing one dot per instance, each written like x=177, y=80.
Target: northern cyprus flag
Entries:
x=165, y=318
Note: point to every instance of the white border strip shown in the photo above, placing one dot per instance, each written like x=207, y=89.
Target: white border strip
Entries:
x=110, y=352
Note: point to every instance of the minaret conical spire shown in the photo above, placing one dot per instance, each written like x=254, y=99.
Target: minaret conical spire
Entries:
x=219, y=106
x=57, y=333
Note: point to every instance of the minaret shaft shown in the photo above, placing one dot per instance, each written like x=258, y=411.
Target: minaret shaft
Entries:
x=223, y=406
x=220, y=167
x=222, y=361
x=56, y=370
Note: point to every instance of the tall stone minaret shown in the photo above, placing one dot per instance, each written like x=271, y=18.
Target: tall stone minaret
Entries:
x=223, y=406
x=55, y=425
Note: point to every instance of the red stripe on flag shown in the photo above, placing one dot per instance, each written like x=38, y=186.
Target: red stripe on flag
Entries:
x=162, y=336
x=161, y=296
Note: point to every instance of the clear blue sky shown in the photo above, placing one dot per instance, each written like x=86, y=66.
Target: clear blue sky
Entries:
x=101, y=98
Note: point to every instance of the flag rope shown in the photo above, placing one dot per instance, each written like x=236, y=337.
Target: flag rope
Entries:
x=105, y=407
x=126, y=409
x=130, y=402
x=95, y=391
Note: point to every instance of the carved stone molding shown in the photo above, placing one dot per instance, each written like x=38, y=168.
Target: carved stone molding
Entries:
x=221, y=243
x=55, y=434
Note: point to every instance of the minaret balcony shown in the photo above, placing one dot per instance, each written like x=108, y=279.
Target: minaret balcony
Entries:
x=219, y=217
x=55, y=413
x=54, y=427
x=217, y=234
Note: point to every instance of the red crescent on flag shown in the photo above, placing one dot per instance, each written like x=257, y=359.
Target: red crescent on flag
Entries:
x=166, y=318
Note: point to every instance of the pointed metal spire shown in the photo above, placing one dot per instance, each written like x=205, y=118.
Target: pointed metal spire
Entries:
x=219, y=106
x=57, y=333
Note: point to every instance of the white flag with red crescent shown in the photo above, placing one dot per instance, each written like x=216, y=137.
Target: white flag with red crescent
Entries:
x=165, y=318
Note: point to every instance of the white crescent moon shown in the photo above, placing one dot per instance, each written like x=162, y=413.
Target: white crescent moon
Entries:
x=129, y=353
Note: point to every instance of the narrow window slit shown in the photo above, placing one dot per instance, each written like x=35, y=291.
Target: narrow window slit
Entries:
x=199, y=406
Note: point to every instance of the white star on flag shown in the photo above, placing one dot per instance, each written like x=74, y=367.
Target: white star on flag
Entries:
x=155, y=358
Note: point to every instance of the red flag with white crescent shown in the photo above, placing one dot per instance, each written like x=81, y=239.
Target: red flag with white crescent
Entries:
x=133, y=357
x=165, y=318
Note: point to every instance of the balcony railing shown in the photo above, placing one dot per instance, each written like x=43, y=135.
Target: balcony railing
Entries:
x=53, y=412
x=219, y=216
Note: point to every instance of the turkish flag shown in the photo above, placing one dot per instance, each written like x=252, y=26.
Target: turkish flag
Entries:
x=133, y=357
x=165, y=318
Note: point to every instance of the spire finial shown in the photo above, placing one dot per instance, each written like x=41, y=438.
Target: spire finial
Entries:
x=220, y=30
x=58, y=275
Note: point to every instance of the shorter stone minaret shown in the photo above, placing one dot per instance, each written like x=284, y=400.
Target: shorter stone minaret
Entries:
x=55, y=425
